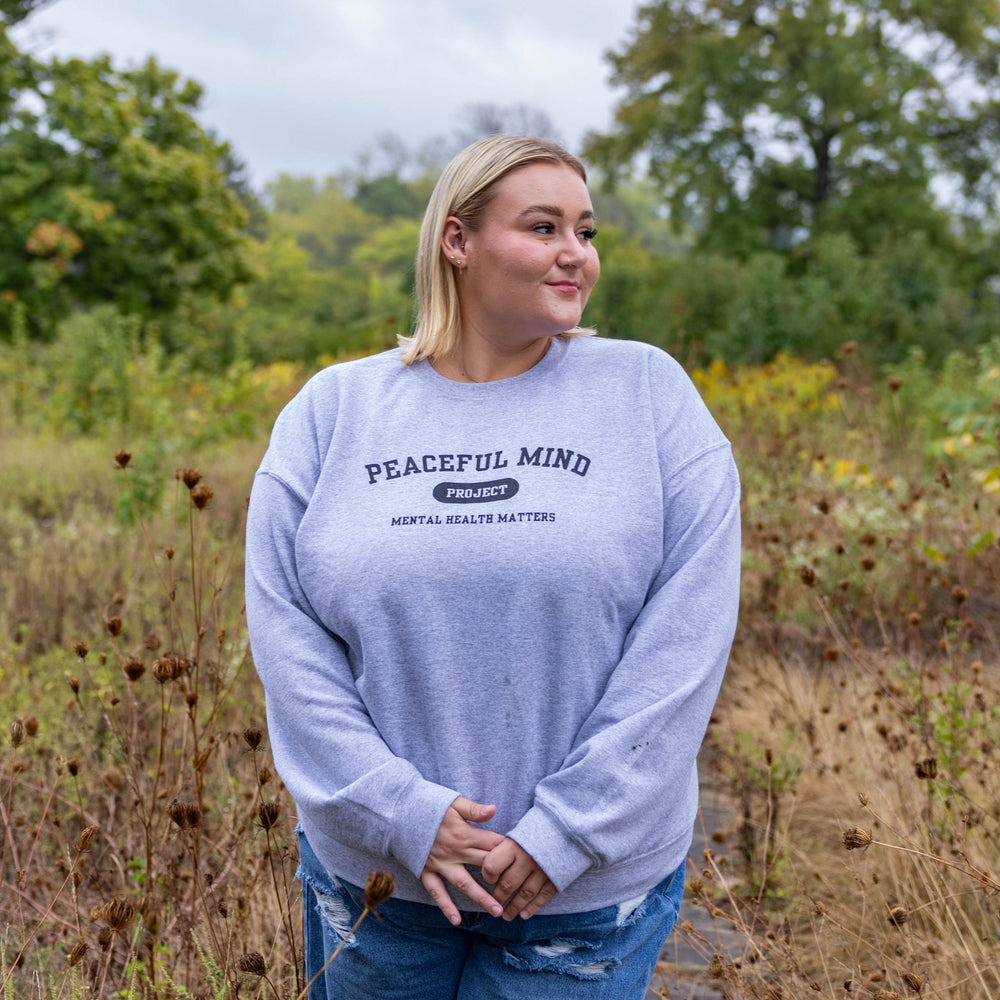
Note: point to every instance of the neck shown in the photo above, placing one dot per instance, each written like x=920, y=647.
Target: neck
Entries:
x=478, y=362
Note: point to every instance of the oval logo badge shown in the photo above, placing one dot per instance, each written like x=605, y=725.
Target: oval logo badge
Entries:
x=496, y=489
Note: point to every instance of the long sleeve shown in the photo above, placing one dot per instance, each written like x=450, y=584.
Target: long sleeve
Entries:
x=326, y=748
x=633, y=762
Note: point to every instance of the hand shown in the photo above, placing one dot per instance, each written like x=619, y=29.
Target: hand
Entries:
x=519, y=881
x=458, y=843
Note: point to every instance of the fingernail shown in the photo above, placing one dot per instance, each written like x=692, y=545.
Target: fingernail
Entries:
x=496, y=910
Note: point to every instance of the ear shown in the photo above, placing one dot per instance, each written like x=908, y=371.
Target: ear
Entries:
x=453, y=241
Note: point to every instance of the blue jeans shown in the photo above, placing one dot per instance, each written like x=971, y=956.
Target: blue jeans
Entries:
x=409, y=951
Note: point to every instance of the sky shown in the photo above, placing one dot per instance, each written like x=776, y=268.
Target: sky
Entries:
x=305, y=86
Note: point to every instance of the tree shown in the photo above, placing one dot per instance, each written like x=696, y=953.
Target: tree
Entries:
x=769, y=120
x=111, y=191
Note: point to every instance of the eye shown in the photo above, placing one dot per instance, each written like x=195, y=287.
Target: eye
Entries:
x=587, y=234
x=545, y=228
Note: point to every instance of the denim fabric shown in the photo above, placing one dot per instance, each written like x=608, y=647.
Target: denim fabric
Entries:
x=409, y=950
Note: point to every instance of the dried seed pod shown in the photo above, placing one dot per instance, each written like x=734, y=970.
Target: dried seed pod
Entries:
x=854, y=837
x=16, y=732
x=189, y=477
x=380, y=886
x=268, y=813
x=76, y=954
x=201, y=496
x=133, y=668
x=808, y=575
x=114, y=626
x=122, y=458
x=252, y=736
x=30, y=726
x=117, y=913
x=86, y=839
x=914, y=981
x=898, y=914
x=186, y=815
x=253, y=963
x=926, y=769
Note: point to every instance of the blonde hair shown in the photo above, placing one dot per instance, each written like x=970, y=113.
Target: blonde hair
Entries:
x=464, y=190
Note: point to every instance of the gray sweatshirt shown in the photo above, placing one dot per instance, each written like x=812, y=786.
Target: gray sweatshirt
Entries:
x=521, y=591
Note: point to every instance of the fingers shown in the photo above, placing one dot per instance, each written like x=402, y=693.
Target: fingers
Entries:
x=521, y=905
x=436, y=890
x=457, y=875
x=499, y=859
x=465, y=883
x=473, y=812
x=519, y=883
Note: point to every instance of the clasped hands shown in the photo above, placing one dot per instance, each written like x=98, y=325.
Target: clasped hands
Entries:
x=520, y=885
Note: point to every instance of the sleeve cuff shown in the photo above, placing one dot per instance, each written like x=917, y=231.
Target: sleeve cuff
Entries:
x=419, y=812
x=548, y=843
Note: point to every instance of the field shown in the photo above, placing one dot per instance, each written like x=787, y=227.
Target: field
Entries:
x=147, y=845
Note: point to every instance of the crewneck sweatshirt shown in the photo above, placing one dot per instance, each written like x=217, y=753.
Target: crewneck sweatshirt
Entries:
x=521, y=591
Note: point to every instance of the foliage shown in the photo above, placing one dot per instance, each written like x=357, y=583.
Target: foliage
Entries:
x=110, y=190
x=768, y=120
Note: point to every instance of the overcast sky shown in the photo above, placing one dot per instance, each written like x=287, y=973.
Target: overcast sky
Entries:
x=303, y=86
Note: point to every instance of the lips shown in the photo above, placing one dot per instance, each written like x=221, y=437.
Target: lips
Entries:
x=564, y=286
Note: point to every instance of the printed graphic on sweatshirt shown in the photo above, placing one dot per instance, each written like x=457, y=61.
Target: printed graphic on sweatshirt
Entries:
x=493, y=490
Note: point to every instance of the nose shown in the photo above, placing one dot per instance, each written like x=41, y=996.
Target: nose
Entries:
x=572, y=254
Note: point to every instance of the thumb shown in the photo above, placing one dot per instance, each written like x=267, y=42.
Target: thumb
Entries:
x=473, y=812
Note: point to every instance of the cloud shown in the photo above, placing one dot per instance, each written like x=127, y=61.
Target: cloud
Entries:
x=303, y=86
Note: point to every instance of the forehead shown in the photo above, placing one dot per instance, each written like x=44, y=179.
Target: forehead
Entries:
x=551, y=184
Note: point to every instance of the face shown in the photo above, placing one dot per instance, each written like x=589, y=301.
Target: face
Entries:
x=528, y=270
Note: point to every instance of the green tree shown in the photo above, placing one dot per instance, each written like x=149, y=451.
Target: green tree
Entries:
x=767, y=120
x=111, y=191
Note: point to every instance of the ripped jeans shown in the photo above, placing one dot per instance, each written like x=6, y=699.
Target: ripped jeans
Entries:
x=409, y=951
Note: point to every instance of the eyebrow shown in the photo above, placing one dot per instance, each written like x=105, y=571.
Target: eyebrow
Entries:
x=552, y=210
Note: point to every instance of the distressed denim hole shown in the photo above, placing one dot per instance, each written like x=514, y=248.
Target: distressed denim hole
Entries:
x=560, y=955
x=336, y=913
x=631, y=909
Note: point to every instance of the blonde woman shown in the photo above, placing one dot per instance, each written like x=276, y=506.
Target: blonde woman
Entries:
x=492, y=582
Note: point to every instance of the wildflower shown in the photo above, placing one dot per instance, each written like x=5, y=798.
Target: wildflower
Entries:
x=201, y=496
x=190, y=477
x=854, y=837
x=123, y=458
x=253, y=963
x=380, y=886
x=252, y=736
x=16, y=733
x=268, y=812
x=133, y=668
x=87, y=835
x=77, y=953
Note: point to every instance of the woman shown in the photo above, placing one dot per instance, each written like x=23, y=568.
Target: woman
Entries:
x=492, y=582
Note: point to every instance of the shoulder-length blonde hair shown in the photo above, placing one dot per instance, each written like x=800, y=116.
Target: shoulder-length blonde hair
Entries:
x=464, y=189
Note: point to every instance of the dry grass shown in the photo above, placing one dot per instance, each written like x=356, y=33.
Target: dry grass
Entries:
x=147, y=845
